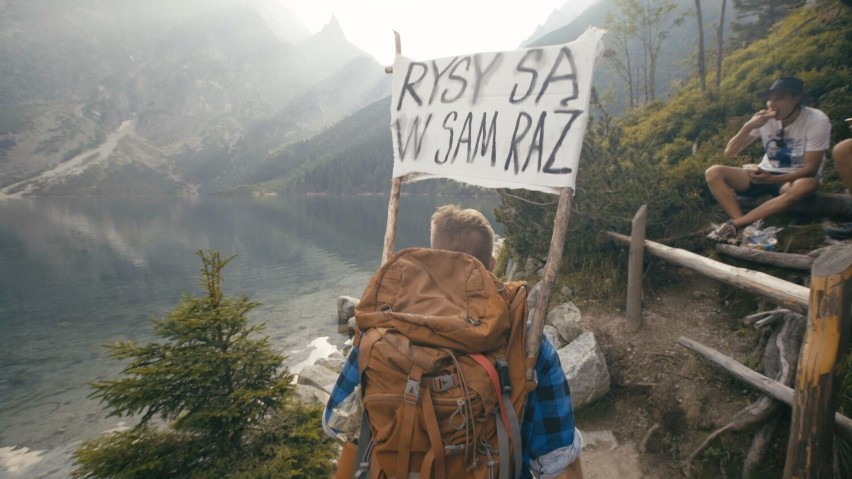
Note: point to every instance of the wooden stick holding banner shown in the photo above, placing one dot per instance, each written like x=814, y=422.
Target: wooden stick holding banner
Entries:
x=554, y=261
x=396, y=184
x=390, y=229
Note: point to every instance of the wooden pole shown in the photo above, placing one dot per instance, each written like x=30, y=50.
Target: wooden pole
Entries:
x=635, y=269
x=398, y=45
x=783, y=293
x=554, y=261
x=770, y=387
x=809, y=449
x=396, y=185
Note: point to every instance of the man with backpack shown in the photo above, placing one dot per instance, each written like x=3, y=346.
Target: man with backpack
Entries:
x=440, y=368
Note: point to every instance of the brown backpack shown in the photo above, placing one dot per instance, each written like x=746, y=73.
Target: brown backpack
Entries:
x=442, y=369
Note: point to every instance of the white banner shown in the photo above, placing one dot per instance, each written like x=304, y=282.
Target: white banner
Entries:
x=499, y=120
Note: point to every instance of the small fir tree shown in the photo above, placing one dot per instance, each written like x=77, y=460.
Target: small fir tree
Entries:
x=211, y=400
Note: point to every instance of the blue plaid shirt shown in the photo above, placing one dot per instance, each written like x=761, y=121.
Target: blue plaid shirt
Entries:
x=548, y=421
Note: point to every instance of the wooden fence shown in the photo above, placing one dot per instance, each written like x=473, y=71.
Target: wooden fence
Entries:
x=827, y=305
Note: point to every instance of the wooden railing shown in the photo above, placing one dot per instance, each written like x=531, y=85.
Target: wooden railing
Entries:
x=827, y=304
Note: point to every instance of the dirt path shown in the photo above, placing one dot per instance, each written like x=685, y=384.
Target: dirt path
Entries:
x=661, y=393
x=604, y=457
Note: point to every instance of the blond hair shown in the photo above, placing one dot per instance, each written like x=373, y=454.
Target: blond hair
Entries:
x=463, y=231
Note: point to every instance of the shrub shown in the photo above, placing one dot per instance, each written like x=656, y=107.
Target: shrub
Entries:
x=223, y=404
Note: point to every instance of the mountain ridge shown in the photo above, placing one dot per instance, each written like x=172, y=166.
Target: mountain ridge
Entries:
x=198, y=85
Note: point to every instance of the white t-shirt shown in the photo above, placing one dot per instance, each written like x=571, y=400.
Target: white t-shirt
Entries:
x=810, y=131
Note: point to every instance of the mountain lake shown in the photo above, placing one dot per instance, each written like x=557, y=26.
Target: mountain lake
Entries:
x=77, y=273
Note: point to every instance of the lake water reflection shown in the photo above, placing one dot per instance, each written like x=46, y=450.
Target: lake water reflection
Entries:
x=76, y=273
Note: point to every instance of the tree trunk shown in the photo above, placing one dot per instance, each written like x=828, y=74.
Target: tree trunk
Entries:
x=720, y=35
x=702, y=72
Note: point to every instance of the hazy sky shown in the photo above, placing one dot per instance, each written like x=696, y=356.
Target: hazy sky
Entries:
x=430, y=28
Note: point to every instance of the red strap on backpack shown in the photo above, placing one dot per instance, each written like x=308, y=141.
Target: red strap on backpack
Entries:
x=495, y=383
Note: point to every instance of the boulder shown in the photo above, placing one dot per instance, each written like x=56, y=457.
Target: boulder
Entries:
x=318, y=376
x=311, y=395
x=552, y=334
x=334, y=361
x=533, y=265
x=346, y=308
x=585, y=368
x=566, y=319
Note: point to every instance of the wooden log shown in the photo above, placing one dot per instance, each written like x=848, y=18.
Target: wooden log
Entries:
x=784, y=260
x=809, y=449
x=635, y=269
x=554, y=261
x=836, y=206
x=774, y=389
x=783, y=293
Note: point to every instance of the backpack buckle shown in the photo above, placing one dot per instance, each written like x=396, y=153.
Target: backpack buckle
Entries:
x=412, y=391
x=443, y=383
x=503, y=373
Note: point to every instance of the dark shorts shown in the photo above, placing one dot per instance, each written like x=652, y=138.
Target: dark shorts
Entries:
x=760, y=189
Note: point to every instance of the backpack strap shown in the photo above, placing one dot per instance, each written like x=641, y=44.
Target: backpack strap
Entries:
x=365, y=440
x=434, y=460
x=514, y=422
x=410, y=398
x=509, y=419
x=495, y=383
x=503, y=447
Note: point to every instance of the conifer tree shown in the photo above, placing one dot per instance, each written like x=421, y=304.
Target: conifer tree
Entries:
x=211, y=400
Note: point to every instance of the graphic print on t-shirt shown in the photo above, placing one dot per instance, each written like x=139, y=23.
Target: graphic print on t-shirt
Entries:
x=784, y=152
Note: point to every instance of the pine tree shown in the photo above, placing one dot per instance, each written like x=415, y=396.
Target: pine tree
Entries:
x=211, y=400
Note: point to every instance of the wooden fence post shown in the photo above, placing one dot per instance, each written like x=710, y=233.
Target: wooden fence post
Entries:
x=809, y=449
x=635, y=269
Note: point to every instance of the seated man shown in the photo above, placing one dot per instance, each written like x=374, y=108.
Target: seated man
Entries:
x=795, y=138
x=551, y=444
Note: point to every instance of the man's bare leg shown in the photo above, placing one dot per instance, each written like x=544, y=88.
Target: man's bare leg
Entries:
x=790, y=194
x=724, y=182
x=842, y=156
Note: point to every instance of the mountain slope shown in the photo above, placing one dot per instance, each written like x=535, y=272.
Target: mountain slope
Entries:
x=206, y=84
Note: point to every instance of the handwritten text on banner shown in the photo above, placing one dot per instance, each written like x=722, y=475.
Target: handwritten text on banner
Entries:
x=500, y=120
